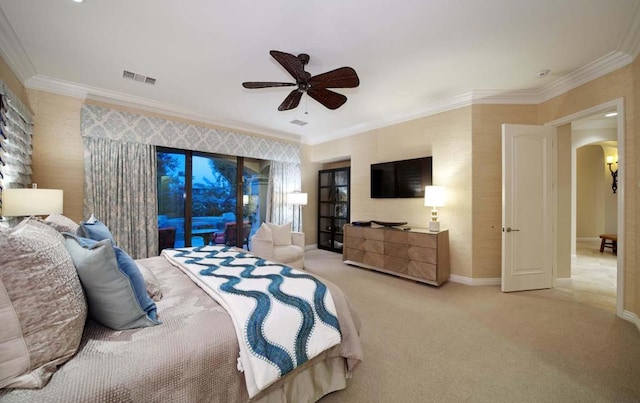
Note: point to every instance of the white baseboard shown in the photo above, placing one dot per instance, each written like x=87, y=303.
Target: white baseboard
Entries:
x=631, y=317
x=474, y=281
x=493, y=281
x=312, y=246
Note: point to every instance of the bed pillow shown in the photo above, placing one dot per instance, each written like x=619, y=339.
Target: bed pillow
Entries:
x=151, y=282
x=62, y=223
x=42, y=306
x=94, y=229
x=281, y=234
x=115, y=289
x=263, y=233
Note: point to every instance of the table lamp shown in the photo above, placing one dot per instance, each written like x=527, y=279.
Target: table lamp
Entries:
x=434, y=197
x=299, y=200
x=31, y=201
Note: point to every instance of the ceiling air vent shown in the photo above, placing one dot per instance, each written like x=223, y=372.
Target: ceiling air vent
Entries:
x=299, y=122
x=129, y=75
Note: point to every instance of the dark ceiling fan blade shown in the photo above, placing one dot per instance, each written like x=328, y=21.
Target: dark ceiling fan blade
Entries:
x=267, y=84
x=344, y=77
x=291, y=63
x=328, y=98
x=291, y=101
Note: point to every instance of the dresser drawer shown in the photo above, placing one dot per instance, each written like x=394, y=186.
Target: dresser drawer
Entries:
x=373, y=259
x=396, y=250
x=355, y=255
x=427, y=255
x=370, y=245
x=426, y=271
x=397, y=264
x=354, y=242
x=423, y=239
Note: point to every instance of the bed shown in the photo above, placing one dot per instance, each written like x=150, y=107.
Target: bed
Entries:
x=192, y=356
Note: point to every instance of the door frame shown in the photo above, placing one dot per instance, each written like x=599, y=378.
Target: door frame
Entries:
x=618, y=103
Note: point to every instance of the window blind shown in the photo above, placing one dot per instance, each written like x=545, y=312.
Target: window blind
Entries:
x=16, y=131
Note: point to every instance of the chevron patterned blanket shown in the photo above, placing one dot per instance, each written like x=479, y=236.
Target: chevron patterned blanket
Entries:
x=283, y=317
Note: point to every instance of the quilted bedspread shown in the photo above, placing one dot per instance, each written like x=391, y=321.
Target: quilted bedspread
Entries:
x=283, y=317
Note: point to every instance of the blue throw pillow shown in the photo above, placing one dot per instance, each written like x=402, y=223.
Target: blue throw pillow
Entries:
x=115, y=289
x=131, y=270
x=95, y=229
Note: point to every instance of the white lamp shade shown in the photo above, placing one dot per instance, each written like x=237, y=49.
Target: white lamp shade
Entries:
x=434, y=196
x=25, y=202
x=297, y=198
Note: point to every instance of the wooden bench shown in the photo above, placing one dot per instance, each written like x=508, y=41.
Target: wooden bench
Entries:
x=609, y=241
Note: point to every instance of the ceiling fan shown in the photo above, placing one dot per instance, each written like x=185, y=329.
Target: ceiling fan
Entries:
x=315, y=86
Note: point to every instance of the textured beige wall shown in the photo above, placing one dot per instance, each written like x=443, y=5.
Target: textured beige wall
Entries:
x=57, y=148
x=309, y=176
x=487, y=182
x=590, y=187
x=618, y=84
x=446, y=136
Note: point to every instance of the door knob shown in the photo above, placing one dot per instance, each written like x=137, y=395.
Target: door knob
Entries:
x=512, y=230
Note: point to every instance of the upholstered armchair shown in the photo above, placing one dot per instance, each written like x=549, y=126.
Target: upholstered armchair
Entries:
x=280, y=244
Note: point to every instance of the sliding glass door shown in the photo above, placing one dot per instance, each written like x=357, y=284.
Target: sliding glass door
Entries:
x=206, y=201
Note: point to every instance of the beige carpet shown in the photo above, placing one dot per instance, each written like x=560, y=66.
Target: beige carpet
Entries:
x=475, y=344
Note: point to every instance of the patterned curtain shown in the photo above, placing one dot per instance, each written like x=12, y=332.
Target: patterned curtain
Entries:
x=120, y=190
x=16, y=129
x=284, y=177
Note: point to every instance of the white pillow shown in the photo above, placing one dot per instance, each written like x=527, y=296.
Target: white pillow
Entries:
x=281, y=234
x=263, y=233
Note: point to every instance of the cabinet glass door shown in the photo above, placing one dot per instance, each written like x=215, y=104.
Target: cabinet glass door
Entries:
x=333, y=208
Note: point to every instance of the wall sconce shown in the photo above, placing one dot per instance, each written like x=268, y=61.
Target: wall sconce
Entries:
x=434, y=197
x=614, y=174
x=299, y=200
x=245, y=200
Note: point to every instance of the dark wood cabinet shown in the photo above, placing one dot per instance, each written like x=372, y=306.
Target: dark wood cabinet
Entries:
x=333, y=207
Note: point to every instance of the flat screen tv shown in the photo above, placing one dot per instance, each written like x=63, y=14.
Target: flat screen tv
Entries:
x=400, y=179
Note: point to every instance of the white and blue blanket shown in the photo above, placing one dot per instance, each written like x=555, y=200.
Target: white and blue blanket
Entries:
x=283, y=317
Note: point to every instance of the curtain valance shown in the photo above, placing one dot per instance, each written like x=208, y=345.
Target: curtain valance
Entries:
x=99, y=122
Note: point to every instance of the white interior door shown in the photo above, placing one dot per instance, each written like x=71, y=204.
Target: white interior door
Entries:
x=527, y=203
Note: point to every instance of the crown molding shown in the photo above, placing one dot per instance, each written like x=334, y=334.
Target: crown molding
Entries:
x=591, y=71
x=448, y=104
x=12, y=51
x=630, y=42
x=56, y=86
x=15, y=56
x=596, y=69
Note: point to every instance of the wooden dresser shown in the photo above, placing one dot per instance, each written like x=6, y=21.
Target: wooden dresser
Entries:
x=416, y=254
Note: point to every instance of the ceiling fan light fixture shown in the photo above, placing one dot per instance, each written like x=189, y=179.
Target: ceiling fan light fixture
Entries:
x=317, y=87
